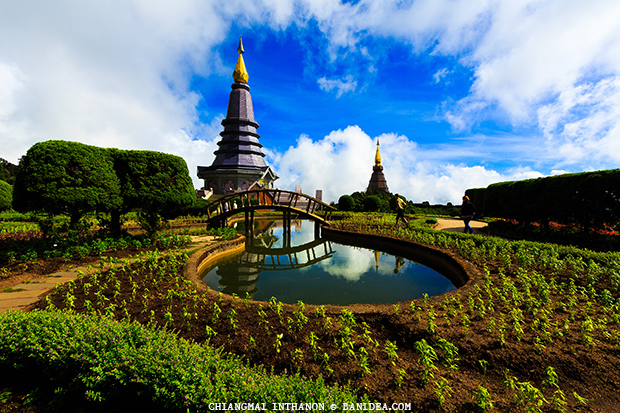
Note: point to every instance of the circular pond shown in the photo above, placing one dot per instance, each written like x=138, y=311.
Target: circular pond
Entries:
x=296, y=265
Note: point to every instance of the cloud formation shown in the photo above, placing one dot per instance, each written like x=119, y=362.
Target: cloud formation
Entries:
x=553, y=65
x=120, y=73
x=104, y=74
x=341, y=163
x=340, y=86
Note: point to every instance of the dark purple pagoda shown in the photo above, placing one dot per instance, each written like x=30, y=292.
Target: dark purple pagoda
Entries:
x=239, y=162
x=377, y=179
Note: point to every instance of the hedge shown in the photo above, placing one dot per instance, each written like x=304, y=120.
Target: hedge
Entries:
x=590, y=199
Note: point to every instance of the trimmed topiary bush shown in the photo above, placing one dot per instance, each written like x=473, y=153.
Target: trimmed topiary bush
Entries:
x=70, y=178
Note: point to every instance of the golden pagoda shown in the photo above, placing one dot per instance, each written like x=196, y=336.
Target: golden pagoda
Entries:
x=377, y=179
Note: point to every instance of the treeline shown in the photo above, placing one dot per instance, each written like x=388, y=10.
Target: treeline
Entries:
x=589, y=199
x=381, y=201
x=7, y=178
x=7, y=171
x=74, y=179
x=377, y=201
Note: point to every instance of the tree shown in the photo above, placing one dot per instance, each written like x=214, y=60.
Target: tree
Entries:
x=6, y=196
x=346, y=203
x=59, y=177
x=373, y=203
x=154, y=183
x=7, y=171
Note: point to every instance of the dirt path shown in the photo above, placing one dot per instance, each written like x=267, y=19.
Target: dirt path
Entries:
x=28, y=289
x=457, y=225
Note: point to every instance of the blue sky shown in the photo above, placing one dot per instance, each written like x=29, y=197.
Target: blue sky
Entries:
x=460, y=93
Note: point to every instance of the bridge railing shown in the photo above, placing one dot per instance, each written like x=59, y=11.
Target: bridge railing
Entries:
x=305, y=256
x=254, y=199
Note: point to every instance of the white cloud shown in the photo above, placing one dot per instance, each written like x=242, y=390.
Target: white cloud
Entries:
x=348, y=263
x=118, y=74
x=341, y=163
x=11, y=80
x=441, y=74
x=333, y=164
x=340, y=86
x=105, y=74
x=527, y=58
x=583, y=122
x=443, y=183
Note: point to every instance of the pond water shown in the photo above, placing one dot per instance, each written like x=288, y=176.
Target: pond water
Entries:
x=295, y=265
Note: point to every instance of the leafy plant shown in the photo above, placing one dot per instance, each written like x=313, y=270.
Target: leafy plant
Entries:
x=483, y=399
x=278, y=343
x=390, y=349
x=152, y=367
x=442, y=389
x=427, y=359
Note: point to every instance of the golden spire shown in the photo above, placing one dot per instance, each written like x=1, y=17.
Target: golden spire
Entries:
x=378, y=155
x=240, y=75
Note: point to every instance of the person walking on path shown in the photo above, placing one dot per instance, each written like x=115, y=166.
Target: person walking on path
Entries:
x=468, y=210
x=400, y=210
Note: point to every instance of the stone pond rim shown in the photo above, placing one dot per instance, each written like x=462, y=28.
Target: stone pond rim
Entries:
x=463, y=274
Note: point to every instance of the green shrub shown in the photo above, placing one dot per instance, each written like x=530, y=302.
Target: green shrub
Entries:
x=589, y=199
x=7, y=171
x=156, y=184
x=96, y=363
x=373, y=203
x=58, y=177
x=346, y=203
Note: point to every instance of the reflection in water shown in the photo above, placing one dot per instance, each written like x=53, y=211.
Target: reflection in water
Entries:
x=317, y=271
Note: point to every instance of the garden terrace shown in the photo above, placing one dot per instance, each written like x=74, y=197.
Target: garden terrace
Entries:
x=536, y=330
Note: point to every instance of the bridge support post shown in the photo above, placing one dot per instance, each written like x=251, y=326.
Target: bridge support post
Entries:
x=252, y=223
x=286, y=229
x=249, y=224
x=317, y=230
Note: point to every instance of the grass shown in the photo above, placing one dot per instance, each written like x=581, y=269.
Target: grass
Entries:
x=11, y=290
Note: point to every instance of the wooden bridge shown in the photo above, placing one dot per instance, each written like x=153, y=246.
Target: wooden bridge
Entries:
x=288, y=202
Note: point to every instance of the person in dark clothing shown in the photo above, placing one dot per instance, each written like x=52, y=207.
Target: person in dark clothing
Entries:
x=468, y=210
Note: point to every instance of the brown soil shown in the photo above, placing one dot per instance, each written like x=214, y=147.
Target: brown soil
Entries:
x=592, y=373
